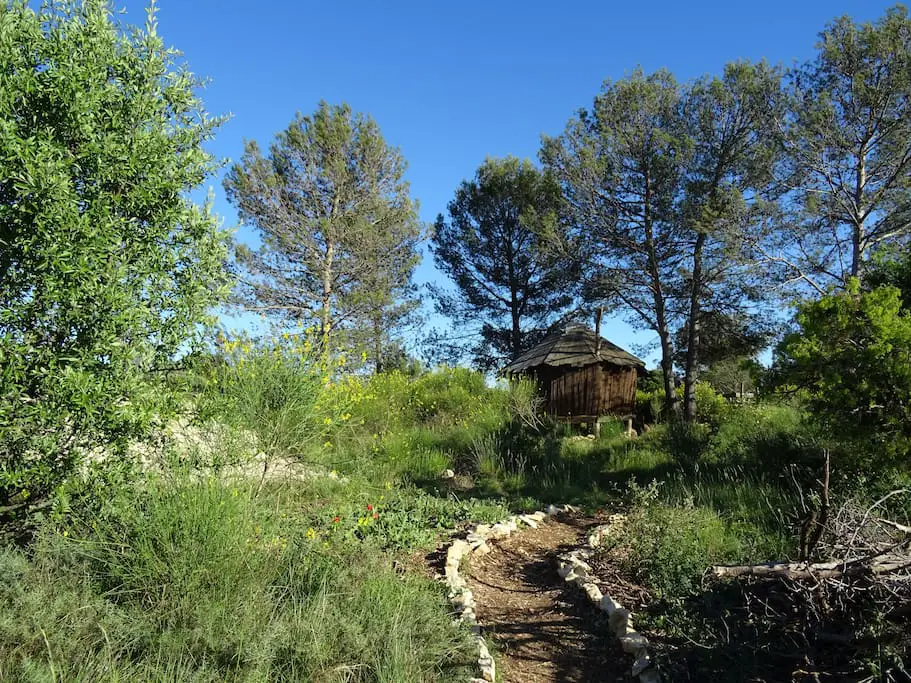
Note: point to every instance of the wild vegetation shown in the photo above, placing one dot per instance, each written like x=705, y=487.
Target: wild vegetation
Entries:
x=178, y=502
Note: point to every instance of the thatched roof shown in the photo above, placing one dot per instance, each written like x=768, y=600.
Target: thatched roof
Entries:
x=574, y=346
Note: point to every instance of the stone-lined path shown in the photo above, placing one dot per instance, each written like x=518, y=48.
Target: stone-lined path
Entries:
x=543, y=630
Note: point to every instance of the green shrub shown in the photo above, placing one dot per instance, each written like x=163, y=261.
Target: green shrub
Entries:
x=851, y=358
x=649, y=406
x=687, y=442
x=711, y=407
x=109, y=268
x=276, y=391
x=671, y=547
x=444, y=398
x=384, y=402
x=766, y=435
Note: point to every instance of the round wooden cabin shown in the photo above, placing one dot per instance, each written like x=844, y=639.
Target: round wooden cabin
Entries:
x=582, y=376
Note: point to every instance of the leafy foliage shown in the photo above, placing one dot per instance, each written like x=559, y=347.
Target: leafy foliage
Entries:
x=851, y=355
x=621, y=169
x=848, y=143
x=107, y=267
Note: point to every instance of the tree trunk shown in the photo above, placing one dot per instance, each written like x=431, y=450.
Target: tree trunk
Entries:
x=859, y=232
x=664, y=334
x=691, y=374
x=516, y=341
x=515, y=337
x=377, y=345
x=326, y=309
x=667, y=367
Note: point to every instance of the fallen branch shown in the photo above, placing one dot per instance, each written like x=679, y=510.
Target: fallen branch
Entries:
x=817, y=570
x=894, y=525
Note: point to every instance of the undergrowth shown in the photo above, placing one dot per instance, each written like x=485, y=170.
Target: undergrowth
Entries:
x=193, y=562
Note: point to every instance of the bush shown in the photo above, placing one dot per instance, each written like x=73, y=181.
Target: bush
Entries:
x=649, y=406
x=107, y=267
x=670, y=547
x=687, y=442
x=711, y=407
x=768, y=435
x=443, y=399
x=852, y=359
x=278, y=392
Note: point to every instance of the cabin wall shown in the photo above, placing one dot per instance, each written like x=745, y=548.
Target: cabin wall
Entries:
x=591, y=390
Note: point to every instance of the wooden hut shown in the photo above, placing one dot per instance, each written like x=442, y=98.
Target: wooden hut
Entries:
x=584, y=378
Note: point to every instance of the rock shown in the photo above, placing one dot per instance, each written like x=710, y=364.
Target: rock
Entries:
x=529, y=521
x=642, y=662
x=593, y=592
x=633, y=643
x=499, y=531
x=480, y=531
x=538, y=515
x=463, y=600
x=619, y=621
x=458, y=550
x=482, y=549
x=475, y=541
x=488, y=671
x=609, y=605
x=447, y=474
x=578, y=562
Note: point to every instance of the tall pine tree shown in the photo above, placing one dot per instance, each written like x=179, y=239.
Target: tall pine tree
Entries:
x=509, y=287
x=339, y=229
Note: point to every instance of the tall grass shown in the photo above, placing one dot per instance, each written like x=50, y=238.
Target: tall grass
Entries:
x=191, y=579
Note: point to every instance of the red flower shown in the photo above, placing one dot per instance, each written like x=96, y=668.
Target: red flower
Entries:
x=335, y=520
x=369, y=507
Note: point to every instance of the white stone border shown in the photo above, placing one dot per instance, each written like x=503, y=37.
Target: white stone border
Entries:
x=476, y=541
x=574, y=569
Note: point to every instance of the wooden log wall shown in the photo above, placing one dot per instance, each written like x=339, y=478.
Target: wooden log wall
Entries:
x=592, y=390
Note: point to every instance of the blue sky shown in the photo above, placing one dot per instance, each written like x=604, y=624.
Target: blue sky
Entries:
x=452, y=83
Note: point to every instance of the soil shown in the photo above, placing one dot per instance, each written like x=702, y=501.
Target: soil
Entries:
x=542, y=630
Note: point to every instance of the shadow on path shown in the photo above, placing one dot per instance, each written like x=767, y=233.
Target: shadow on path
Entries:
x=543, y=630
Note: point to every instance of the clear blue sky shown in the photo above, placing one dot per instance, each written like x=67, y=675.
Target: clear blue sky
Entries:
x=453, y=82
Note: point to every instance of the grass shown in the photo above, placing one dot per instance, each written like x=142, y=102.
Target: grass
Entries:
x=193, y=579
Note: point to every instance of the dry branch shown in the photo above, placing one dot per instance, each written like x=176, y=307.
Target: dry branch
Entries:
x=816, y=570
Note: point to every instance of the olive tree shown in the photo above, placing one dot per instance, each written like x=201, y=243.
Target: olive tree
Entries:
x=107, y=265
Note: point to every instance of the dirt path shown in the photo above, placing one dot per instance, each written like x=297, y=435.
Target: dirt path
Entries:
x=542, y=630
